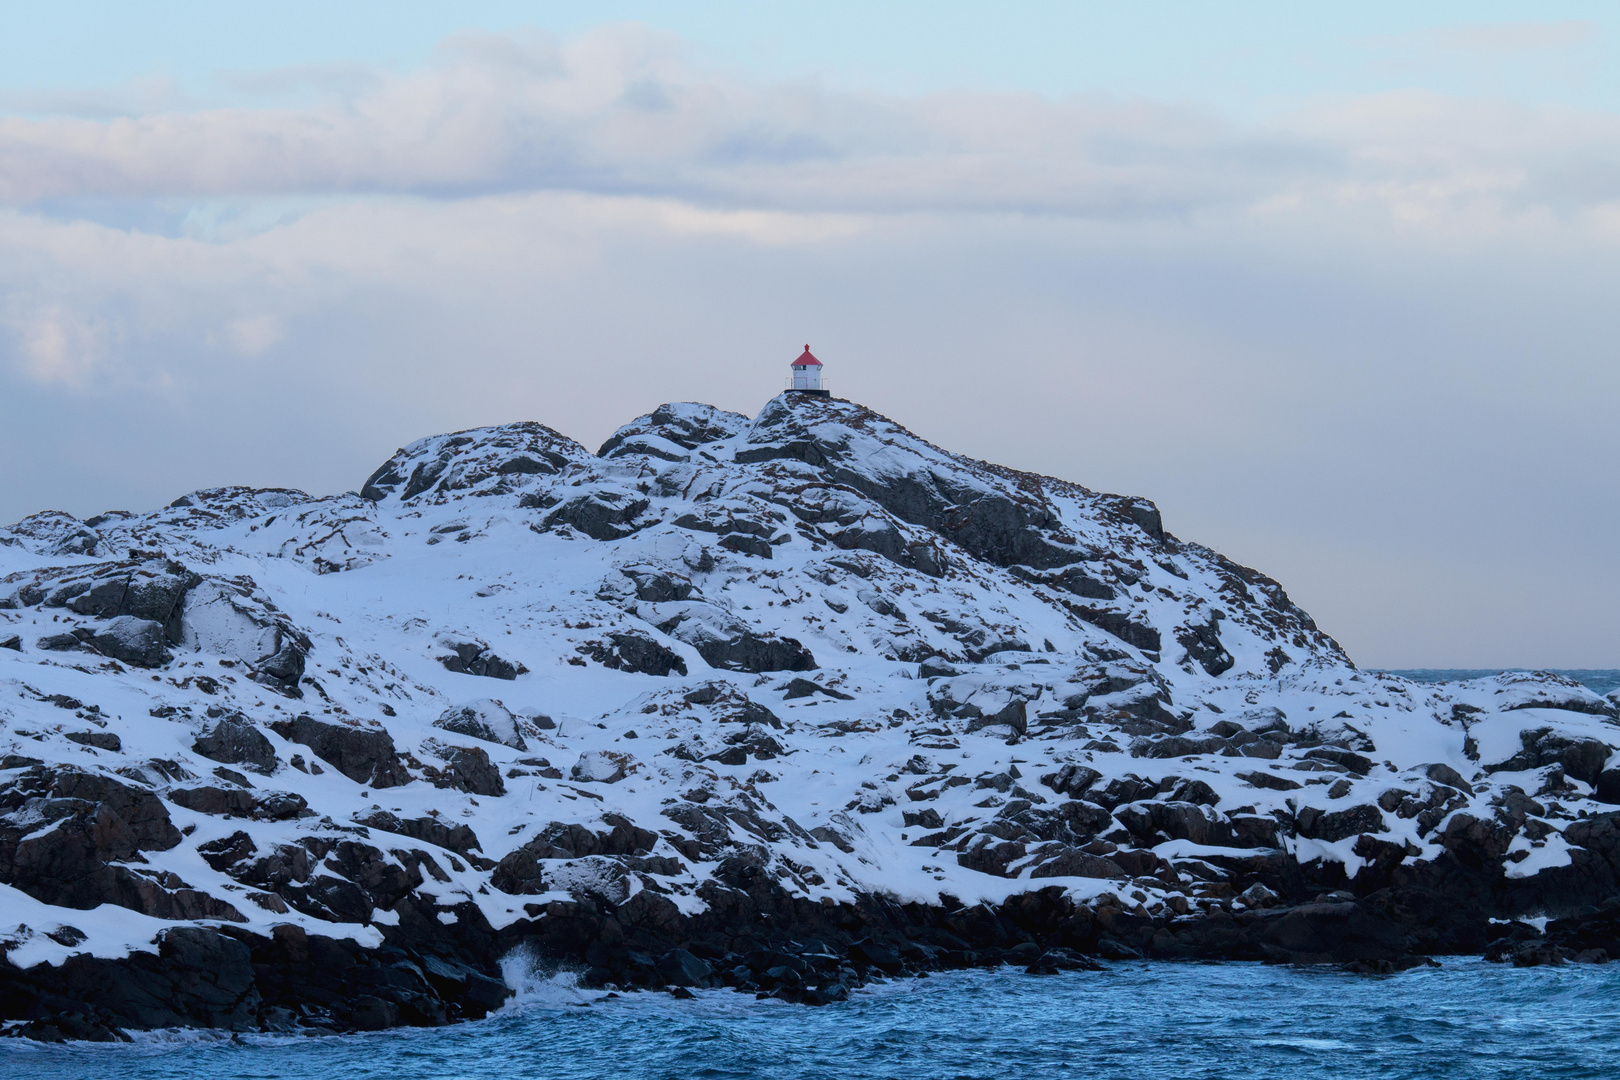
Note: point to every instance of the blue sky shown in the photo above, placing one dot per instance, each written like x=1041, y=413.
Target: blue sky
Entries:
x=1331, y=284
x=1243, y=58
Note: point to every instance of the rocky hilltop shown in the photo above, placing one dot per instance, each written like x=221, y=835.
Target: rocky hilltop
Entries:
x=779, y=703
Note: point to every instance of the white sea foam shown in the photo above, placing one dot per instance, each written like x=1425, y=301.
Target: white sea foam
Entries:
x=540, y=984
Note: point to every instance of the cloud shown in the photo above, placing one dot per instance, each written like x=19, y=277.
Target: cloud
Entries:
x=59, y=345
x=621, y=113
x=1372, y=327
x=254, y=335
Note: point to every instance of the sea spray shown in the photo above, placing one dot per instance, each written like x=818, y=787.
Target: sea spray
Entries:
x=540, y=984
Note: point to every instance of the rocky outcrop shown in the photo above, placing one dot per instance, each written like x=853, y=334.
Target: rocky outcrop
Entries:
x=364, y=755
x=493, y=461
x=235, y=741
x=630, y=651
x=1067, y=735
x=672, y=432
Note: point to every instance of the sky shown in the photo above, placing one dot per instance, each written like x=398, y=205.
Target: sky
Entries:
x=1333, y=285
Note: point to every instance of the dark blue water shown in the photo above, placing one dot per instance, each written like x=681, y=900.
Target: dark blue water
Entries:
x=1599, y=680
x=1136, y=1021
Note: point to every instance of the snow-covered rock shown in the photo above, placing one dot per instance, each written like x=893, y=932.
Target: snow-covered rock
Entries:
x=802, y=686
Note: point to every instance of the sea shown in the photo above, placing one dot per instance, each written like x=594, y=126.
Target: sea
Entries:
x=1134, y=1021
x=1600, y=680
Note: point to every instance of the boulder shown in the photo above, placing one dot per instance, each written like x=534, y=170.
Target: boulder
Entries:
x=484, y=719
x=1340, y=932
x=476, y=658
x=678, y=967
x=467, y=768
x=522, y=871
x=601, y=767
x=100, y=740
x=141, y=642
x=728, y=643
x=1014, y=714
x=364, y=755
x=1073, y=780
x=240, y=802
x=1445, y=774
x=235, y=741
x=1270, y=780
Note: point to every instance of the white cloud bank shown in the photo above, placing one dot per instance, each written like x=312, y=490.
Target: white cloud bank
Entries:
x=1364, y=348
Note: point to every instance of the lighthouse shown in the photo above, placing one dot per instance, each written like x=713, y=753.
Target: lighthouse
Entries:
x=807, y=375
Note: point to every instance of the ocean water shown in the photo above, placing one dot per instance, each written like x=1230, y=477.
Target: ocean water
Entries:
x=1138, y=1021
x=1599, y=680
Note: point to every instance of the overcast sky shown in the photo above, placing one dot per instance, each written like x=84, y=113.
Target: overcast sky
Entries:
x=1336, y=290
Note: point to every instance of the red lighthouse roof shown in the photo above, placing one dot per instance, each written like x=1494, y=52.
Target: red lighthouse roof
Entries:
x=806, y=360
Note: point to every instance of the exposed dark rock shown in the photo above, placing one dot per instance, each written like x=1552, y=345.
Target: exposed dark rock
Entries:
x=1445, y=774
x=657, y=586
x=78, y=830
x=601, y=515
x=522, y=871
x=101, y=740
x=134, y=641
x=239, y=802
x=740, y=648
x=630, y=651
x=364, y=755
x=1346, y=759
x=1015, y=714
x=238, y=742
x=1203, y=644
x=1073, y=863
x=743, y=544
x=1582, y=759
x=1072, y=780
x=1270, y=780
x=429, y=830
x=1121, y=626
x=1339, y=824
x=984, y=522
x=476, y=658
x=678, y=967
x=467, y=768
x=802, y=688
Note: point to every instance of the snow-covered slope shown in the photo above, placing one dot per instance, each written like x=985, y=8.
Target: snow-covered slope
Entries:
x=512, y=679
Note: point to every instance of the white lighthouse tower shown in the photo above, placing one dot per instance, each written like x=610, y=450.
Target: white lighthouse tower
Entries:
x=807, y=374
